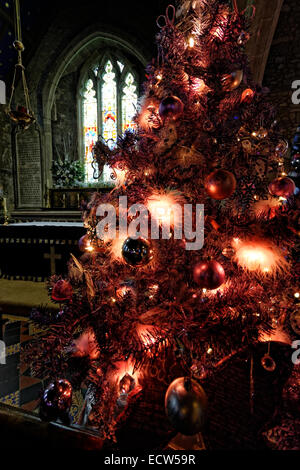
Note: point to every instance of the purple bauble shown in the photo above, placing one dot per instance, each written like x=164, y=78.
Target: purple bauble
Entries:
x=209, y=274
x=56, y=400
x=171, y=107
x=282, y=187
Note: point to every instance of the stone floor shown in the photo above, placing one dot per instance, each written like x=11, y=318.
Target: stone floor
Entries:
x=17, y=387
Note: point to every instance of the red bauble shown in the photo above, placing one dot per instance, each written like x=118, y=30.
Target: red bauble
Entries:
x=283, y=187
x=220, y=184
x=209, y=274
x=171, y=107
x=62, y=291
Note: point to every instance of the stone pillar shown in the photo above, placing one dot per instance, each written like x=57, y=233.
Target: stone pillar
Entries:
x=262, y=33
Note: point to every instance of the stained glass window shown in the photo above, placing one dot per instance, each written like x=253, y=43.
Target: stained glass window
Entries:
x=109, y=105
x=129, y=101
x=90, y=127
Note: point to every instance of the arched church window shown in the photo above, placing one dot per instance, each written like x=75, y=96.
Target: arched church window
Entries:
x=109, y=102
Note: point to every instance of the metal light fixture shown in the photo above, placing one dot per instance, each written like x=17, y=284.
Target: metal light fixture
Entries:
x=22, y=116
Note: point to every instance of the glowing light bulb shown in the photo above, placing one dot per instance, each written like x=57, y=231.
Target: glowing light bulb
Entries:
x=297, y=295
x=89, y=247
x=209, y=351
x=191, y=42
x=259, y=255
x=166, y=207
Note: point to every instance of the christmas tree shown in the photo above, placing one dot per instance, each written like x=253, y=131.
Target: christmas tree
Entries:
x=140, y=310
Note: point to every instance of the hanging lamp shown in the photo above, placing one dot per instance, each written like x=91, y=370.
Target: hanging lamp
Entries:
x=22, y=116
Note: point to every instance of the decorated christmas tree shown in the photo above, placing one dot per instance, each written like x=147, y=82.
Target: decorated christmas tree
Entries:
x=185, y=296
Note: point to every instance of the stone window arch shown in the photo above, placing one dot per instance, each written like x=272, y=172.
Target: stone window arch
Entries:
x=108, y=96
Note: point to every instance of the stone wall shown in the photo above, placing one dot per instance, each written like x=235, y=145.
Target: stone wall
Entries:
x=283, y=66
x=64, y=119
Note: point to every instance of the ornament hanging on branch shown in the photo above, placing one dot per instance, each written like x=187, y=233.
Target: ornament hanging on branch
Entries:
x=62, y=291
x=137, y=253
x=232, y=81
x=228, y=252
x=282, y=187
x=125, y=291
x=268, y=362
x=209, y=274
x=171, y=108
x=186, y=406
x=282, y=148
x=220, y=184
x=56, y=401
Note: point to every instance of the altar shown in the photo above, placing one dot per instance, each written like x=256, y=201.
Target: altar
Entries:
x=34, y=251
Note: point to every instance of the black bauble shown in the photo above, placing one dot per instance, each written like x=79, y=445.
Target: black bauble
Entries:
x=137, y=252
x=56, y=400
x=171, y=107
x=186, y=405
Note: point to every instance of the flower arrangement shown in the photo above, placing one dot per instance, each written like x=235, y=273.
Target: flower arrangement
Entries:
x=67, y=174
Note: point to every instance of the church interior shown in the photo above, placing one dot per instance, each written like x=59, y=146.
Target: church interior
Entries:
x=71, y=80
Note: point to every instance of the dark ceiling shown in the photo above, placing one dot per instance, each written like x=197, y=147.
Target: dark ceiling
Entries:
x=37, y=16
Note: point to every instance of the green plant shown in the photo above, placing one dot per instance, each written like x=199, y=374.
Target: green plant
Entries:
x=67, y=173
